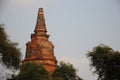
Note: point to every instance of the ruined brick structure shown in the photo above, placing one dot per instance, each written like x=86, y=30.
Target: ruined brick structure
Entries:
x=40, y=49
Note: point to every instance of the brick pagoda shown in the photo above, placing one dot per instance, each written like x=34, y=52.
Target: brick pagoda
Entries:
x=40, y=49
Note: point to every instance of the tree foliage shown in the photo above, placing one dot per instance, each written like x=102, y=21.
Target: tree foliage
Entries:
x=65, y=71
x=106, y=62
x=10, y=54
x=32, y=71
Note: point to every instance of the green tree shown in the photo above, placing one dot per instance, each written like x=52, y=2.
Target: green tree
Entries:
x=10, y=54
x=32, y=71
x=106, y=62
x=65, y=71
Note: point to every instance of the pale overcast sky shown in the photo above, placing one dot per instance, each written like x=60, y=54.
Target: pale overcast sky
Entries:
x=75, y=26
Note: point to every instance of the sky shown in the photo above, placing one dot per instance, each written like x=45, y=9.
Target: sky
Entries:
x=75, y=27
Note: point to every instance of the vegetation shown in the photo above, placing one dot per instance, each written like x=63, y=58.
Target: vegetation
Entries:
x=10, y=54
x=106, y=62
x=65, y=71
x=32, y=71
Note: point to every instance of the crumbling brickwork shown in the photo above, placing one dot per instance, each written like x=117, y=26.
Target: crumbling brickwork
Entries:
x=40, y=49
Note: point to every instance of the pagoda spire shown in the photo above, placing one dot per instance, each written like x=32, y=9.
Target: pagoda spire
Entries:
x=40, y=25
x=40, y=50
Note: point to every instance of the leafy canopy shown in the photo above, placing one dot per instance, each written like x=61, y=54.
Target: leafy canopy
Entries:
x=65, y=71
x=10, y=54
x=32, y=71
x=106, y=62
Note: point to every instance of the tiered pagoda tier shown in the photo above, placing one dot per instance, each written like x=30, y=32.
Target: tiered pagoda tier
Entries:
x=40, y=49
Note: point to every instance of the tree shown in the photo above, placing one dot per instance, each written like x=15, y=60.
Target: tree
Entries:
x=65, y=71
x=32, y=71
x=106, y=62
x=10, y=54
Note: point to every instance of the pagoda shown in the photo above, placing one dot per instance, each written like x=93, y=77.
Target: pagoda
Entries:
x=40, y=50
